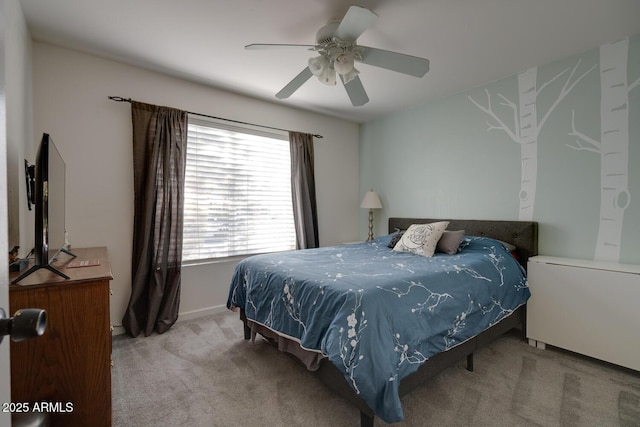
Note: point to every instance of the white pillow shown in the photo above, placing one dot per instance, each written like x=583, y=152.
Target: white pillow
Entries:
x=421, y=239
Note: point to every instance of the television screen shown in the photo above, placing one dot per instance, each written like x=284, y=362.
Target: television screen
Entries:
x=50, y=174
x=55, y=201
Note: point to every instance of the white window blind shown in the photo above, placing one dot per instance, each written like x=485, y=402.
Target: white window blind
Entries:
x=237, y=192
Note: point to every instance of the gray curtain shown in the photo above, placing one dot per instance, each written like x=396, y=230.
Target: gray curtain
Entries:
x=159, y=159
x=303, y=188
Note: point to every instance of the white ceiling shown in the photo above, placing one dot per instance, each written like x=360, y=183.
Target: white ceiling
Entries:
x=469, y=42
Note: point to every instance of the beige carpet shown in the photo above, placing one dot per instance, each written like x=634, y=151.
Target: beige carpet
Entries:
x=202, y=373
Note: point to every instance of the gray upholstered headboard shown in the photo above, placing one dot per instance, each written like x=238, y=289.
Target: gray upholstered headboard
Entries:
x=522, y=234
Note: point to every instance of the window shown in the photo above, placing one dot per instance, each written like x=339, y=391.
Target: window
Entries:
x=237, y=192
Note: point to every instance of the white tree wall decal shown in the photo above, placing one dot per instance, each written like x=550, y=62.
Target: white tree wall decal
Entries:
x=527, y=127
x=613, y=147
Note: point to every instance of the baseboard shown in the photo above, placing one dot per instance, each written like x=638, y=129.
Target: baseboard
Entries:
x=194, y=314
x=182, y=317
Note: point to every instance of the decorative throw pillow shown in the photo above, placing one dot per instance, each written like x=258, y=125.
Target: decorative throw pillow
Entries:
x=397, y=235
x=449, y=242
x=511, y=248
x=421, y=239
x=508, y=246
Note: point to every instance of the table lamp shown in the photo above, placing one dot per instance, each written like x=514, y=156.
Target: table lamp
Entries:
x=371, y=201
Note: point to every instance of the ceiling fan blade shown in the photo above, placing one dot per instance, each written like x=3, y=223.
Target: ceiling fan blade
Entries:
x=355, y=22
x=261, y=46
x=295, y=84
x=356, y=92
x=394, y=61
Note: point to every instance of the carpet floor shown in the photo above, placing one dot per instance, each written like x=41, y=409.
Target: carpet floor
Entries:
x=203, y=373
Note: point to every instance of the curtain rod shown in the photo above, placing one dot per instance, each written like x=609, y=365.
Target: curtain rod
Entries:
x=121, y=99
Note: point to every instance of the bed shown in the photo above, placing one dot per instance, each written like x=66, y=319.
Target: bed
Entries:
x=373, y=323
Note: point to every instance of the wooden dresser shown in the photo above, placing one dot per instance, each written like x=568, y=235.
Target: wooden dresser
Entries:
x=67, y=370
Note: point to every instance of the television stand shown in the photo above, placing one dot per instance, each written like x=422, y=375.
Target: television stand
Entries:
x=47, y=267
x=68, y=252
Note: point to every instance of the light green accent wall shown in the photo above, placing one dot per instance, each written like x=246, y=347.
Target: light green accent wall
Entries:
x=452, y=159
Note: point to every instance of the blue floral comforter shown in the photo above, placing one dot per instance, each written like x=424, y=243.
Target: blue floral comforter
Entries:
x=378, y=314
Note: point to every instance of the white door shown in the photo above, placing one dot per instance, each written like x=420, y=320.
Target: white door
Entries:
x=5, y=373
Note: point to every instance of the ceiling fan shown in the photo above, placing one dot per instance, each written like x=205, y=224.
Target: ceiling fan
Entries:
x=338, y=51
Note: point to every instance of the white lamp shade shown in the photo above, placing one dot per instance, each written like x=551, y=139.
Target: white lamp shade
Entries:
x=344, y=63
x=328, y=76
x=347, y=77
x=344, y=66
x=318, y=65
x=322, y=69
x=371, y=201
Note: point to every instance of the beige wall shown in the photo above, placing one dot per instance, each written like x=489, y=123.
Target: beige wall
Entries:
x=19, y=117
x=70, y=93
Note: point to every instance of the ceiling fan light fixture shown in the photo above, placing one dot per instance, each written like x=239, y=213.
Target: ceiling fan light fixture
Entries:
x=343, y=63
x=322, y=69
x=318, y=65
x=347, y=77
x=328, y=76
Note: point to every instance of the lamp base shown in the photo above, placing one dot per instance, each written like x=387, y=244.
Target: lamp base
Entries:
x=370, y=237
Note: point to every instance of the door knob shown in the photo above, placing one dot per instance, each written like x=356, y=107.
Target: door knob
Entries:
x=26, y=323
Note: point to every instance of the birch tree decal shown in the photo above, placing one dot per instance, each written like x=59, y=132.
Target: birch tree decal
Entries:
x=613, y=147
x=526, y=126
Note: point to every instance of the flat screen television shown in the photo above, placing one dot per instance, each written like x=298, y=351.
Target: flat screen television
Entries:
x=49, y=200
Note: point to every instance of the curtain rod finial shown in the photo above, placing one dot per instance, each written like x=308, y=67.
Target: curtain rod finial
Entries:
x=119, y=99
